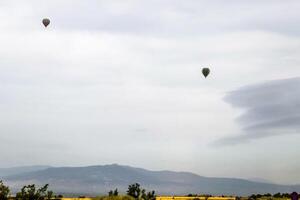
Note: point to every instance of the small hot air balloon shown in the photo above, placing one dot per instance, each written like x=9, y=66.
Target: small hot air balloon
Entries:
x=46, y=22
x=205, y=72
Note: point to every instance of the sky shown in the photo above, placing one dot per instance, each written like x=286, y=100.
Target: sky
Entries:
x=120, y=82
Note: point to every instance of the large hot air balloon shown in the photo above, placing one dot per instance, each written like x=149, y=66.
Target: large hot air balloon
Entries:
x=205, y=72
x=46, y=22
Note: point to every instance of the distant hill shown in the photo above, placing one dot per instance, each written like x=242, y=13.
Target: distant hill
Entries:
x=19, y=170
x=100, y=179
x=260, y=180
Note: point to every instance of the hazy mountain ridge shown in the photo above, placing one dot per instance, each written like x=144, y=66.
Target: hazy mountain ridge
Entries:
x=100, y=179
x=260, y=180
x=22, y=169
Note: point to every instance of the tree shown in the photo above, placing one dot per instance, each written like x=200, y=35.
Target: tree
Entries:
x=253, y=196
x=137, y=192
x=29, y=192
x=113, y=193
x=49, y=195
x=267, y=195
x=286, y=195
x=4, y=191
x=277, y=195
x=150, y=195
x=116, y=193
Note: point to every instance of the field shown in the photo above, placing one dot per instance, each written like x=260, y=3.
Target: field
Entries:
x=177, y=198
x=193, y=198
x=163, y=198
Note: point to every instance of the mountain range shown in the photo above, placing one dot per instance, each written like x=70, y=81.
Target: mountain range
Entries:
x=95, y=180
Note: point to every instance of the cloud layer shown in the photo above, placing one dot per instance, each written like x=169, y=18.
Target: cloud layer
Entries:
x=270, y=108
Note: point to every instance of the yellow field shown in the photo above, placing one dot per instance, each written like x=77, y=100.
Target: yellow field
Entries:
x=192, y=198
x=87, y=198
x=168, y=198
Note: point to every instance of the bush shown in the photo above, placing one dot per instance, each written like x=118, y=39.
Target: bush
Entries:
x=29, y=192
x=135, y=191
x=253, y=196
x=277, y=195
x=4, y=191
x=113, y=193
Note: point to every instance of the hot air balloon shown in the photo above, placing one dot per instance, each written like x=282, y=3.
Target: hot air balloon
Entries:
x=205, y=72
x=46, y=22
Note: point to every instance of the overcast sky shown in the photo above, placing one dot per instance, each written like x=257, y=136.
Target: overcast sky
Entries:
x=120, y=82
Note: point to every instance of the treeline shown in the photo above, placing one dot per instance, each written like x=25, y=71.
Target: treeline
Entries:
x=31, y=192
x=268, y=195
x=199, y=195
x=251, y=197
x=28, y=192
x=206, y=196
x=136, y=192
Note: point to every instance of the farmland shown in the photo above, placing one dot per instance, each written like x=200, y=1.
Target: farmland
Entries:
x=173, y=198
x=157, y=198
x=193, y=198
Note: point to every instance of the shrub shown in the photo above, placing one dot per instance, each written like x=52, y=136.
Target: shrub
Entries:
x=29, y=192
x=4, y=191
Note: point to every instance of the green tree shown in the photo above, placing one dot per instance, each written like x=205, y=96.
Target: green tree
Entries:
x=30, y=192
x=4, y=191
x=277, y=195
x=113, y=193
x=50, y=195
x=135, y=191
x=116, y=193
x=253, y=196
x=150, y=195
x=286, y=195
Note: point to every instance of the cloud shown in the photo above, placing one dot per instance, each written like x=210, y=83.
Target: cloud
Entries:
x=270, y=108
x=156, y=18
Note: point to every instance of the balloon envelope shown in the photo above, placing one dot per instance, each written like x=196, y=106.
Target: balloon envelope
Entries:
x=46, y=22
x=205, y=72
